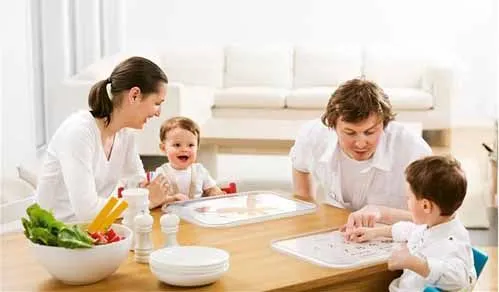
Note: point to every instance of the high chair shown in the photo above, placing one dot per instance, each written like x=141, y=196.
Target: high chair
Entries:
x=479, y=257
x=231, y=189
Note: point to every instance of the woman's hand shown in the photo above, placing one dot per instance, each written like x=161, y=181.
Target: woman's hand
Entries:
x=158, y=190
x=180, y=197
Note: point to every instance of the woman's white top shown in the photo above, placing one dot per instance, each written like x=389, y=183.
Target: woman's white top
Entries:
x=77, y=178
x=382, y=182
x=183, y=178
x=447, y=250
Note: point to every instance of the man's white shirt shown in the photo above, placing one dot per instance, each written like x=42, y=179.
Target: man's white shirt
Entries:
x=316, y=151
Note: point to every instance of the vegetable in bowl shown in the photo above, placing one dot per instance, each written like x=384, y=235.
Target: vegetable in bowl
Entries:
x=41, y=227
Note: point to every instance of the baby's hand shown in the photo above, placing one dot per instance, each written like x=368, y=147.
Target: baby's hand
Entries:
x=359, y=234
x=180, y=197
x=399, y=259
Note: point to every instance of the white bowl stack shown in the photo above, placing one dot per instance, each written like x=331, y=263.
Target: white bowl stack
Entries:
x=189, y=265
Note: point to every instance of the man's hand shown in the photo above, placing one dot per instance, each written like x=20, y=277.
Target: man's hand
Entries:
x=365, y=217
x=399, y=259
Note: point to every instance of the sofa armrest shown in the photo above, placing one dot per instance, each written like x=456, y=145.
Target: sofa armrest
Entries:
x=194, y=102
x=441, y=84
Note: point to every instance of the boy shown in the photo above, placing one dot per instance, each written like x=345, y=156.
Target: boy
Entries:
x=438, y=250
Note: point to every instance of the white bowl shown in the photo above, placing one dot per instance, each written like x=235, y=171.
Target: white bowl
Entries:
x=189, y=280
x=84, y=265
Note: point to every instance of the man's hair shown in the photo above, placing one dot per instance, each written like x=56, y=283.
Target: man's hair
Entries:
x=178, y=122
x=439, y=179
x=355, y=100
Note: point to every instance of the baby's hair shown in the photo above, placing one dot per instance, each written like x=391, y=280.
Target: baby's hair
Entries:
x=178, y=122
x=439, y=179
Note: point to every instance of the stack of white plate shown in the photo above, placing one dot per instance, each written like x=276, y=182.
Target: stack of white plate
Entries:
x=189, y=265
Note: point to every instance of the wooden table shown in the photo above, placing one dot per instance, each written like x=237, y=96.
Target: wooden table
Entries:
x=254, y=265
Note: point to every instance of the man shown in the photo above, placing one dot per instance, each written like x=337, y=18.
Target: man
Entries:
x=357, y=155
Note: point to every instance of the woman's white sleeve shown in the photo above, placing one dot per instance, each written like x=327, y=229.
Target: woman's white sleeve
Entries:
x=75, y=158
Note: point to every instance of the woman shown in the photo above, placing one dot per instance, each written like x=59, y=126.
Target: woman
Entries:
x=357, y=155
x=93, y=150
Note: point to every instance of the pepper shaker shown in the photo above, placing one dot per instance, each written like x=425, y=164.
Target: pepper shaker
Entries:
x=169, y=227
x=143, y=244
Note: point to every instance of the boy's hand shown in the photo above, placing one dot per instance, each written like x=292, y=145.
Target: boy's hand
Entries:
x=360, y=234
x=399, y=259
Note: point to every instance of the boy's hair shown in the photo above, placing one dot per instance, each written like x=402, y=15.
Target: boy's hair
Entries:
x=439, y=179
x=178, y=122
x=355, y=100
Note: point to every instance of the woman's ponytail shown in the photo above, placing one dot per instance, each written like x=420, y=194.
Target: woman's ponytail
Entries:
x=101, y=105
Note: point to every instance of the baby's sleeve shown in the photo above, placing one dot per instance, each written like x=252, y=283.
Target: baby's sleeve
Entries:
x=401, y=231
x=204, y=175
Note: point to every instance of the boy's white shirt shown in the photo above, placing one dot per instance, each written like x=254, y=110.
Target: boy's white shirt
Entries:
x=447, y=250
x=183, y=178
x=316, y=151
x=76, y=178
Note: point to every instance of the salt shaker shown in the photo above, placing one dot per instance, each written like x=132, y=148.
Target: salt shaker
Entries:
x=169, y=227
x=138, y=202
x=143, y=242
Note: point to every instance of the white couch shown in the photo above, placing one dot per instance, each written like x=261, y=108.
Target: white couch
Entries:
x=273, y=83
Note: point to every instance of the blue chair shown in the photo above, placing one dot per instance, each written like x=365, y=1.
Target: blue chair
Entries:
x=479, y=257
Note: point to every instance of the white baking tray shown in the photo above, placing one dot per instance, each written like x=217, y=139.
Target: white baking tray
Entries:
x=328, y=248
x=239, y=208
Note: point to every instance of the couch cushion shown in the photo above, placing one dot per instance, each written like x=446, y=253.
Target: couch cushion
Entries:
x=409, y=99
x=258, y=66
x=309, y=98
x=250, y=97
x=194, y=66
x=397, y=68
x=323, y=66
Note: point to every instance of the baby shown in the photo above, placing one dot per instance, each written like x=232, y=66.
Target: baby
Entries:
x=187, y=179
x=438, y=250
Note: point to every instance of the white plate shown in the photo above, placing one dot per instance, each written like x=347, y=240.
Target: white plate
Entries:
x=189, y=257
x=189, y=273
x=186, y=270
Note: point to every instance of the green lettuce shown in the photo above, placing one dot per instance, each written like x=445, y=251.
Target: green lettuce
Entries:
x=41, y=227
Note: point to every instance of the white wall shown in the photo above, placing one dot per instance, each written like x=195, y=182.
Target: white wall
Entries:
x=17, y=122
x=466, y=29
